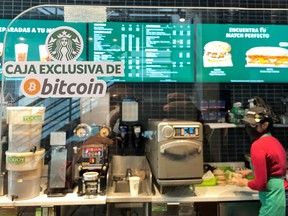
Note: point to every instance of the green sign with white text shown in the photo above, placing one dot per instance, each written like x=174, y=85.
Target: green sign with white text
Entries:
x=242, y=53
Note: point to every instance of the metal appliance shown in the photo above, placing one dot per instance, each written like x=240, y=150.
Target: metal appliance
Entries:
x=90, y=164
x=174, y=152
x=3, y=171
x=131, y=136
x=130, y=130
x=119, y=201
x=24, y=157
x=284, y=116
x=94, y=159
x=57, y=166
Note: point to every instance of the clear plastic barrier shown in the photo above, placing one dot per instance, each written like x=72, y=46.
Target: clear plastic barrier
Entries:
x=69, y=69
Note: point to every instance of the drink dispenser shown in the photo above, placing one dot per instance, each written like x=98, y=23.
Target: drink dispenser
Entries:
x=130, y=130
x=24, y=158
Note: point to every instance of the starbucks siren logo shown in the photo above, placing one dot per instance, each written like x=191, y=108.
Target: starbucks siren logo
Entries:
x=64, y=44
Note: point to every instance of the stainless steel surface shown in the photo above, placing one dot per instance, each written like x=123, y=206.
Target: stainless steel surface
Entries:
x=173, y=209
x=284, y=119
x=118, y=185
x=177, y=182
x=58, y=164
x=128, y=209
x=128, y=173
x=3, y=183
x=123, y=187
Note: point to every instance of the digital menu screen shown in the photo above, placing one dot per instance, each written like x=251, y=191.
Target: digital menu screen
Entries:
x=150, y=52
x=158, y=52
x=30, y=35
x=242, y=53
x=26, y=39
x=3, y=26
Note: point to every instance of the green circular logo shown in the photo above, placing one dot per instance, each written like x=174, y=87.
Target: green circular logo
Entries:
x=64, y=44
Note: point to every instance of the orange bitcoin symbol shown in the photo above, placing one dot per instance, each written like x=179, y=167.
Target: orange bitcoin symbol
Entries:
x=31, y=86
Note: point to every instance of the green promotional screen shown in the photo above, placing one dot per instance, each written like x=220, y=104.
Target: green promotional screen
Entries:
x=157, y=52
x=3, y=26
x=150, y=52
x=31, y=34
x=242, y=53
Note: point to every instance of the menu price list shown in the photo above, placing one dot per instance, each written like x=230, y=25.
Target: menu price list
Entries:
x=150, y=52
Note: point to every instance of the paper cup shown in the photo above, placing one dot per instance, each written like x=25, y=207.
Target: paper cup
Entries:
x=44, y=56
x=1, y=49
x=21, y=52
x=134, y=185
x=1, y=53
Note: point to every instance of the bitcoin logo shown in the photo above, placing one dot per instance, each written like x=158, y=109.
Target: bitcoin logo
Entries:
x=31, y=86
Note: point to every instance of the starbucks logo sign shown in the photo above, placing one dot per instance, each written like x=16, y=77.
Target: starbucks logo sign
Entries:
x=64, y=44
x=64, y=76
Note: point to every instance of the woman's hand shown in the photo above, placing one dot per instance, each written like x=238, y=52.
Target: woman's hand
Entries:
x=242, y=182
x=245, y=172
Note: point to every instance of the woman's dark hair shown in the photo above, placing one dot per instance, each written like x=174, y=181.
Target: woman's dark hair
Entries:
x=259, y=102
x=269, y=119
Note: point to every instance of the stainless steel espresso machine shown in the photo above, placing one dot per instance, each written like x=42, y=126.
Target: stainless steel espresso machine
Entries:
x=174, y=152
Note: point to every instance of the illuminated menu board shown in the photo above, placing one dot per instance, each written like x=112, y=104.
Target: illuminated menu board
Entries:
x=30, y=36
x=33, y=34
x=3, y=26
x=242, y=53
x=150, y=52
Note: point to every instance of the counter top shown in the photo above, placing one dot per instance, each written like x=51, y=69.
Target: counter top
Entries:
x=226, y=193
x=179, y=194
x=207, y=194
x=44, y=201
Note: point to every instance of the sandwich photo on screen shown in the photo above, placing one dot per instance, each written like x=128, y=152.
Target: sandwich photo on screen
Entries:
x=217, y=54
x=267, y=56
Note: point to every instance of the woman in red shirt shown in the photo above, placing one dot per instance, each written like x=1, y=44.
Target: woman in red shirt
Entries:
x=268, y=163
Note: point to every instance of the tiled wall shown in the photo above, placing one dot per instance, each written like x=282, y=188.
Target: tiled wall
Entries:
x=237, y=143
x=223, y=145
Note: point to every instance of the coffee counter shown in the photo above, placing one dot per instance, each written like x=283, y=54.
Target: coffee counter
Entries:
x=44, y=201
x=178, y=195
x=207, y=194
